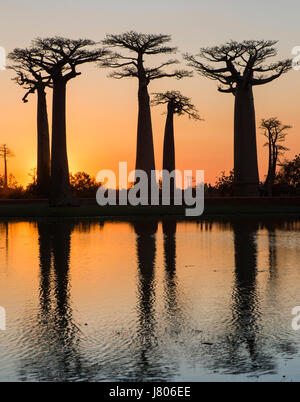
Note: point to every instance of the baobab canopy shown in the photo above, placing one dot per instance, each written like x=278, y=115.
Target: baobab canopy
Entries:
x=30, y=76
x=141, y=44
x=242, y=63
x=242, y=66
x=180, y=104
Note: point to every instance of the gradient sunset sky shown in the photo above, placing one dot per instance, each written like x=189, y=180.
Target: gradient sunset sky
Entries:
x=102, y=112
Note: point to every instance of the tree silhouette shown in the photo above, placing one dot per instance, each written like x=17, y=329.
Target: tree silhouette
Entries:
x=5, y=153
x=177, y=104
x=142, y=45
x=275, y=132
x=289, y=173
x=34, y=79
x=59, y=57
x=242, y=67
x=83, y=184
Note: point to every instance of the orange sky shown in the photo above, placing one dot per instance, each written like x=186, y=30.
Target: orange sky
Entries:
x=102, y=112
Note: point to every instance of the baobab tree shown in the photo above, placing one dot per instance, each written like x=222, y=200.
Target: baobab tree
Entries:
x=5, y=153
x=241, y=68
x=33, y=79
x=177, y=104
x=132, y=64
x=275, y=132
x=59, y=57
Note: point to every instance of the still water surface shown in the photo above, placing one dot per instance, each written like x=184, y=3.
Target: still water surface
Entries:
x=149, y=300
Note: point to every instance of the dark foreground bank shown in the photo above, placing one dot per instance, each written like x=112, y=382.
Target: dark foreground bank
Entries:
x=288, y=206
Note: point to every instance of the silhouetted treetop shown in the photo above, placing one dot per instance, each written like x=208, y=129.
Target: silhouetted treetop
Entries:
x=141, y=44
x=6, y=152
x=29, y=75
x=59, y=56
x=178, y=103
x=275, y=131
x=243, y=63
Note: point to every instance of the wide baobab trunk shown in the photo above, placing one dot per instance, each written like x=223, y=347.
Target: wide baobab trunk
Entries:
x=145, y=149
x=60, y=182
x=246, y=178
x=43, y=146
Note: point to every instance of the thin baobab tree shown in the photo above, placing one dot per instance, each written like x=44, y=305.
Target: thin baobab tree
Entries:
x=179, y=105
x=59, y=58
x=132, y=64
x=239, y=66
x=275, y=132
x=34, y=80
x=5, y=153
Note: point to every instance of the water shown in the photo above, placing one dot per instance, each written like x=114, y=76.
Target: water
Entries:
x=149, y=300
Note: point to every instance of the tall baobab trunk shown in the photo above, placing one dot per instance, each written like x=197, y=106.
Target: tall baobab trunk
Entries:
x=169, y=145
x=43, y=146
x=268, y=178
x=145, y=149
x=60, y=182
x=169, y=149
x=246, y=178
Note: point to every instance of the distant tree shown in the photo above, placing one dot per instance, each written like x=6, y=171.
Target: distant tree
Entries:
x=32, y=188
x=289, y=174
x=224, y=184
x=13, y=190
x=34, y=79
x=177, y=104
x=83, y=184
x=33, y=176
x=242, y=67
x=5, y=153
x=13, y=183
x=275, y=132
x=59, y=57
x=129, y=65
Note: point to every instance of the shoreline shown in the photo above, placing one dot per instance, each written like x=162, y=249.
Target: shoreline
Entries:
x=214, y=207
